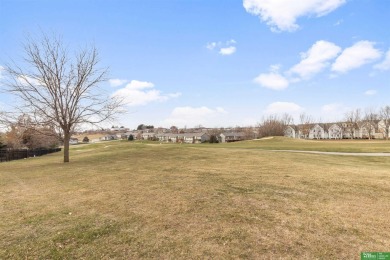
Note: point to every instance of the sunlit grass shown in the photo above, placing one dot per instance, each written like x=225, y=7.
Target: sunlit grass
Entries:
x=346, y=145
x=151, y=200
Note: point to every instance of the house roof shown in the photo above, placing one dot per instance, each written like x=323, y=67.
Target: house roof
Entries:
x=188, y=135
x=295, y=127
x=233, y=134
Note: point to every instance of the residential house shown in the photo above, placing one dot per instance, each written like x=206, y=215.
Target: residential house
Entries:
x=73, y=141
x=184, y=138
x=318, y=132
x=292, y=131
x=335, y=131
x=347, y=130
x=148, y=136
x=231, y=137
x=195, y=137
x=367, y=131
x=108, y=137
x=382, y=129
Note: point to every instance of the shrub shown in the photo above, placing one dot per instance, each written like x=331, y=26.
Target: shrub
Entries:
x=213, y=139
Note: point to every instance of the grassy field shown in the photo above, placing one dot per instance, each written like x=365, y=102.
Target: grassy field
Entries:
x=130, y=200
x=281, y=143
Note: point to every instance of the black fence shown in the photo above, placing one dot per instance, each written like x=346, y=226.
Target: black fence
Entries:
x=16, y=154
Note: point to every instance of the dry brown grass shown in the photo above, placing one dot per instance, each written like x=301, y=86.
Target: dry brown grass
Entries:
x=134, y=200
x=90, y=136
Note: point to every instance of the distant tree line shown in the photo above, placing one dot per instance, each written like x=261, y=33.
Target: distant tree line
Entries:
x=25, y=134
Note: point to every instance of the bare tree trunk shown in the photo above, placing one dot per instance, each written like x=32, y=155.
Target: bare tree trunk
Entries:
x=60, y=90
x=66, y=147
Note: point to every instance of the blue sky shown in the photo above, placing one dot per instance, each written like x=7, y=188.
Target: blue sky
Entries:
x=221, y=63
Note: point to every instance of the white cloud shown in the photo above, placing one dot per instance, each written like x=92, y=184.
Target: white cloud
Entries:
x=26, y=80
x=318, y=58
x=174, y=95
x=357, y=55
x=338, y=22
x=283, y=107
x=315, y=59
x=333, y=112
x=227, y=51
x=275, y=67
x=280, y=108
x=385, y=64
x=220, y=110
x=281, y=15
x=231, y=41
x=1, y=71
x=330, y=108
x=272, y=80
x=211, y=45
x=138, y=93
x=192, y=116
x=117, y=82
x=370, y=92
x=226, y=48
x=135, y=84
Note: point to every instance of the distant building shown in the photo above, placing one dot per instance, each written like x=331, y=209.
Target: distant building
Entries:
x=191, y=138
x=346, y=130
x=108, y=138
x=73, y=141
x=231, y=137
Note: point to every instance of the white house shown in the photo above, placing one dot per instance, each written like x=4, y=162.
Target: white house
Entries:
x=148, y=136
x=367, y=130
x=335, y=131
x=193, y=138
x=382, y=129
x=350, y=130
x=168, y=137
x=73, y=141
x=108, y=138
x=317, y=132
x=231, y=137
x=190, y=138
x=292, y=131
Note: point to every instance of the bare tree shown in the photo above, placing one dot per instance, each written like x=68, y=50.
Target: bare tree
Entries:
x=249, y=133
x=215, y=131
x=385, y=117
x=352, y=124
x=174, y=129
x=60, y=90
x=272, y=125
x=25, y=134
x=306, y=122
x=370, y=120
x=2, y=140
x=287, y=119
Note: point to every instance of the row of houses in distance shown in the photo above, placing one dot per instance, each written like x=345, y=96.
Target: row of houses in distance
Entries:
x=343, y=130
x=190, y=137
